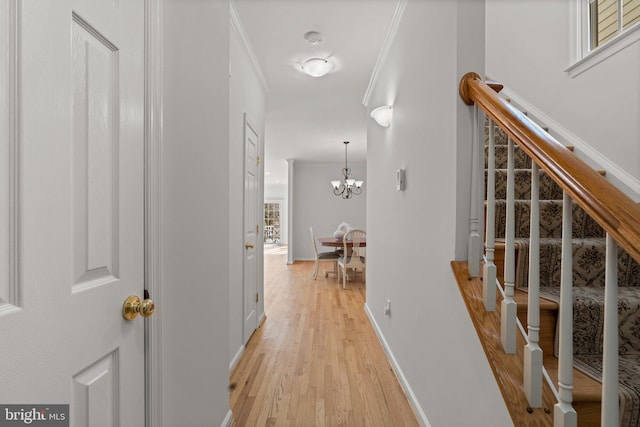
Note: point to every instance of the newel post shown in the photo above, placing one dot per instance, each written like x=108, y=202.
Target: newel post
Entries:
x=474, y=252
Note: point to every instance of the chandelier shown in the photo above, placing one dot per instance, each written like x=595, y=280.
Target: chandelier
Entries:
x=349, y=186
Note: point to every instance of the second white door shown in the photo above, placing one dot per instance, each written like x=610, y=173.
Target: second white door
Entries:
x=251, y=230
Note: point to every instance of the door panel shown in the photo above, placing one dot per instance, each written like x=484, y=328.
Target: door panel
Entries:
x=72, y=212
x=93, y=400
x=95, y=145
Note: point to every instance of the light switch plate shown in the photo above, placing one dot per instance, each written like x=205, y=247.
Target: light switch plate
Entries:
x=400, y=179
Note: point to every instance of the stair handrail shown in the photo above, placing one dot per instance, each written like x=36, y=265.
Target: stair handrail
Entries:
x=616, y=212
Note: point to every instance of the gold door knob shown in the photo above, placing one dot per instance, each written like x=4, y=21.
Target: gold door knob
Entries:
x=133, y=306
x=248, y=246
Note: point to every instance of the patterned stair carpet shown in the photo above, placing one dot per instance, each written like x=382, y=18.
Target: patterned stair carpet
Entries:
x=588, y=250
x=629, y=372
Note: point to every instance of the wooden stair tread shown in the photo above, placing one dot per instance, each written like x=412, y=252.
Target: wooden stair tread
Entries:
x=507, y=368
x=500, y=244
x=522, y=300
x=587, y=391
x=585, y=388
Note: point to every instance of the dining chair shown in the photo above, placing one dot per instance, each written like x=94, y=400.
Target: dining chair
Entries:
x=353, y=256
x=323, y=257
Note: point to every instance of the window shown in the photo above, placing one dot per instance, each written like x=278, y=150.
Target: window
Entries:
x=272, y=222
x=609, y=18
x=604, y=28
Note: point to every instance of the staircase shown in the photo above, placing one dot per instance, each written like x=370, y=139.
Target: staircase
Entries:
x=588, y=247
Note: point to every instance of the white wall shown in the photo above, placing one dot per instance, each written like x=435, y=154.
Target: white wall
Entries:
x=280, y=192
x=315, y=205
x=412, y=234
x=246, y=96
x=470, y=57
x=194, y=304
x=529, y=45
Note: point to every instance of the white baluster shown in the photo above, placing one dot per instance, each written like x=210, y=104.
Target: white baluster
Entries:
x=532, y=351
x=475, y=243
x=563, y=414
x=489, y=270
x=610, y=409
x=508, y=308
x=481, y=184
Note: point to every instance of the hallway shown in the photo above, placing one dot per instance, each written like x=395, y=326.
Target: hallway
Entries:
x=316, y=359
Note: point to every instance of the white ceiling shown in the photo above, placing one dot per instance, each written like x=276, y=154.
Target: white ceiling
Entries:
x=308, y=118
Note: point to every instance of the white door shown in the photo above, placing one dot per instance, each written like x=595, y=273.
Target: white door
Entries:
x=251, y=229
x=71, y=207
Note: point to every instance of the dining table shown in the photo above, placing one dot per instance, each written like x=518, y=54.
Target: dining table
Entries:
x=339, y=243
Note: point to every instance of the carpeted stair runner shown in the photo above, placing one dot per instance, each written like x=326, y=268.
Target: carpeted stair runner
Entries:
x=588, y=274
x=550, y=220
x=629, y=372
x=588, y=264
x=522, y=161
x=549, y=190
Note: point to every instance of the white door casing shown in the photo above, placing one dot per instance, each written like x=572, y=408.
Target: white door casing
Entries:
x=251, y=229
x=71, y=220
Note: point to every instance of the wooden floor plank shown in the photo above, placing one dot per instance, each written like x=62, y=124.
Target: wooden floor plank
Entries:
x=315, y=360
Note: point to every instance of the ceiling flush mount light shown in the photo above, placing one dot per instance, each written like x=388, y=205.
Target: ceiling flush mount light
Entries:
x=348, y=186
x=316, y=67
x=382, y=115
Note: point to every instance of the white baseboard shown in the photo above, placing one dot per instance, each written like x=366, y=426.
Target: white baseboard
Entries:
x=228, y=419
x=411, y=397
x=261, y=319
x=236, y=358
x=618, y=176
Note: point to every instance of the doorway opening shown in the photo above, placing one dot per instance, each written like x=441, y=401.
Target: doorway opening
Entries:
x=272, y=216
x=273, y=238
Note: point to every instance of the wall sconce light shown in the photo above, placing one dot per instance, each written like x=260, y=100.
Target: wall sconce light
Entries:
x=382, y=115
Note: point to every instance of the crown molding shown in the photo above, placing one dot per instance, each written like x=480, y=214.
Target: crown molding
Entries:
x=236, y=25
x=384, y=52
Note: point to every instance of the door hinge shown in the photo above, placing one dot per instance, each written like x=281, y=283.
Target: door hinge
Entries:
x=258, y=160
x=257, y=229
x=257, y=297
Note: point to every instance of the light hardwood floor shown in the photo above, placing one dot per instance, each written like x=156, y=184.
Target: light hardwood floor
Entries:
x=315, y=360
